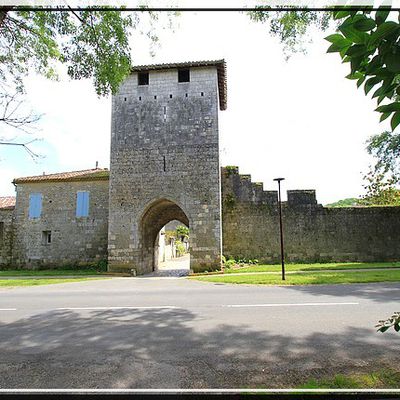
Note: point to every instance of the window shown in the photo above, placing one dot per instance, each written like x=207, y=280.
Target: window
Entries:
x=1, y=233
x=183, y=75
x=82, y=204
x=143, y=78
x=35, y=205
x=46, y=237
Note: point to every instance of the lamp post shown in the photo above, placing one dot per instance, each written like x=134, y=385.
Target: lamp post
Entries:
x=280, y=224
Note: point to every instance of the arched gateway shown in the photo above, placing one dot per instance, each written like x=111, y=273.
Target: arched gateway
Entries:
x=157, y=215
x=165, y=162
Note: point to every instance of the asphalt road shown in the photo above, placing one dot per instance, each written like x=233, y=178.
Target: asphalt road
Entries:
x=177, y=333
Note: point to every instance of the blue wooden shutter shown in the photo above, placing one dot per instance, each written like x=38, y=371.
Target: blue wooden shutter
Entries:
x=35, y=205
x=82, y=204
x=86, y=204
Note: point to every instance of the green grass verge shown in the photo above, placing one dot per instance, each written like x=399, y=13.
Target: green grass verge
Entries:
x=49, y=272
x=306, y=278
x=383, y=379
x=312, y=267
x=37, y=282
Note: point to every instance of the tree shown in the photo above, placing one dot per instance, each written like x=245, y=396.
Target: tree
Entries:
x=182, y=232
x=383, y=177
x=349, y=202
x=92, y=44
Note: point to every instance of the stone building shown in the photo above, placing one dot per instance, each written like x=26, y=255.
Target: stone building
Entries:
x=165, y=162
x=165, y=166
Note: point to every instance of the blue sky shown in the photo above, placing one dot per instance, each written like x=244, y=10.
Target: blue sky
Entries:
x=300, y=119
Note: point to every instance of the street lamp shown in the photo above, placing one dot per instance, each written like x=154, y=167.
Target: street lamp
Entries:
x=280, y=224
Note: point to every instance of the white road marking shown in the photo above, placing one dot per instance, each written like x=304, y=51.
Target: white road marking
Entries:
x=117, y=308
x=222, y=305
x=8, y=309
x=289, y=304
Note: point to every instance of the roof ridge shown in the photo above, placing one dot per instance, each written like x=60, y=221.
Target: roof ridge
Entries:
x=66, y=175
x=166, y=64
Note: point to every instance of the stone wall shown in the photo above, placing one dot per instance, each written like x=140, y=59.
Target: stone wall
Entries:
x=312, y=233
x=165, y=165
x=74, y=240
x=6, y=236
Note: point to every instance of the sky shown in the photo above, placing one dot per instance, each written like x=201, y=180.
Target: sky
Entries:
x=299, y=118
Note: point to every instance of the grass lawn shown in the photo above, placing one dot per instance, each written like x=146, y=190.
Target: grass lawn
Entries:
x=37, y=282
x=383, y=379
x=311, y=278
x=49, y=272
x=312, y=267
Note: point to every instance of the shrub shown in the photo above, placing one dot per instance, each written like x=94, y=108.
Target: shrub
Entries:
x=180, y=248
x=230, y=263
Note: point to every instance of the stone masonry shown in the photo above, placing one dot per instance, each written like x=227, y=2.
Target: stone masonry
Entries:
x=312, y=233
x=74, y=240
x=165, y=167
x=7, y=205
x=165, y=163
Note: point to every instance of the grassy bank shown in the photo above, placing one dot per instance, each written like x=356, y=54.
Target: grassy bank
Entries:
x=36, y=282
x=313, y=267
x=50, y=272
x=383, y=379
x=311, y=278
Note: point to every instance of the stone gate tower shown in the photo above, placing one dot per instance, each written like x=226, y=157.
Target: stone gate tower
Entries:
x=165, y=162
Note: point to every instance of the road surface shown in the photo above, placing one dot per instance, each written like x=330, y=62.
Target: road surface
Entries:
x=178, y=333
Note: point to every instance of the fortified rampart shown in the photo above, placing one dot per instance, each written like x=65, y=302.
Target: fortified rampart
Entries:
x=312, y=233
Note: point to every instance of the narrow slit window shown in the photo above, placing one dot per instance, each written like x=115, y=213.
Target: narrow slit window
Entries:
x=170, y=96
x=202, y=94
x=1, y=233
x=165, y=164
x=143, y=78
x=183, y=75
x=155, y=97
x=165, y=113
x=46, y=237
x=140, y=98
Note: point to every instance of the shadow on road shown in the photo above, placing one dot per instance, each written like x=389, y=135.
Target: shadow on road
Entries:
x=379, y=292
x=160, y=349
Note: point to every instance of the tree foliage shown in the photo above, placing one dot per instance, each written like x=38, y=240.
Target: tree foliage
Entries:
x=349, y=202
x=182, y=232
x=292, y=26
x=393, y=321
x=367, y=40
x=92, y=44
x=383, y=177
x=371, y=44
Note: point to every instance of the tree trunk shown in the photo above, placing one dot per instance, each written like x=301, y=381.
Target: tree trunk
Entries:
x=3, y=14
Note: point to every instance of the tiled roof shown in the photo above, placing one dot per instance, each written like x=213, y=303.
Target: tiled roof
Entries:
x=7, y=202
x=84, y=175
x=221, y=69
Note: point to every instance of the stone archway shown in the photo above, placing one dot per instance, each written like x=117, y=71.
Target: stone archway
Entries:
x=158, y=214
